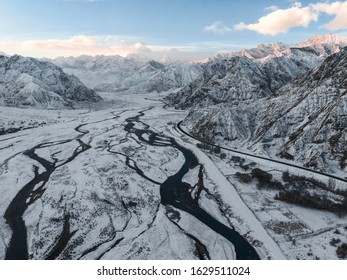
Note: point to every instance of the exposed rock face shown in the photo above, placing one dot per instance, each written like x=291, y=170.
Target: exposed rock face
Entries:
x=305, y=120
x=131, y=74
x=255, y=73
x=227, y=81
x=27, y=82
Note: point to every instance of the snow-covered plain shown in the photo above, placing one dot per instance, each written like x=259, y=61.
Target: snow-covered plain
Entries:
x=96, y=203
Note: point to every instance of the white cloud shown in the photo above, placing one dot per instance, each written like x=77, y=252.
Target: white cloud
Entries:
x=217, y=27
x=74, y=46
x=272, y=8
x=100, y=45
x=339, y=9
x=281, y=20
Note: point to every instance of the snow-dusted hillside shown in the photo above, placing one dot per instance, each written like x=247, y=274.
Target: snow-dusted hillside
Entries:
x=306, y=121
x=133, y=74
x=277, y=65
x=228, y=81
x=27, y=82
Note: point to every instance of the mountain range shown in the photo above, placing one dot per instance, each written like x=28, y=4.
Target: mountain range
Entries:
x=248, y=75
x=132, y=74
x=28, y=82
x=121, y=182
x=302, y=120
x=284, y=101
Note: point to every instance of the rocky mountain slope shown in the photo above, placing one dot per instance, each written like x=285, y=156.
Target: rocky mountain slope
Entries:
x=276, y=65
x=131, y=74
x=305, y=121
x=27, y=82
x=226, y=81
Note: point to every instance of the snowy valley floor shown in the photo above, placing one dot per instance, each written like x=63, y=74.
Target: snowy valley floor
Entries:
x=86, y=184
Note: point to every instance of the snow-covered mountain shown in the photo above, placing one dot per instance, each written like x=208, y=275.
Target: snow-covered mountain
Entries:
x=277, y=65
x=306, y=121
x=28, y=82
x=329, y=39
x=131, y=74
x=227, y=81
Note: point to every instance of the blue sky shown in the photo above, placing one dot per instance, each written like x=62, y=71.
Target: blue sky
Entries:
x=187, y=28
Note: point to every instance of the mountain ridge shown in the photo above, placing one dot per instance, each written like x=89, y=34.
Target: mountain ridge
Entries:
x=130, y=74
x=280, y=64
x=28, y=82
x=304, y=121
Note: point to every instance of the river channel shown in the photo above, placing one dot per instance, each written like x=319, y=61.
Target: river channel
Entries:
x=173, y=191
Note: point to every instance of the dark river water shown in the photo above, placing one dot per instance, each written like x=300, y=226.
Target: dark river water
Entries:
x=173, y=192
x=32, y=191
x=178, y=194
